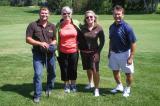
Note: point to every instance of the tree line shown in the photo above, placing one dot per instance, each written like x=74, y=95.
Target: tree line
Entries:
x=99, y=6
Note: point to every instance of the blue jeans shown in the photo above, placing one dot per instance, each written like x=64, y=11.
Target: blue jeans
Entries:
x=39, y=60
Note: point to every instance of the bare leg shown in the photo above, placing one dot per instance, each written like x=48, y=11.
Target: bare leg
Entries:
x=96, y=79
x=66, y=82
x=66, y=86
x=73, y=82
x=117, y=76
x=73, y=85
x=129, y=79
x=90, y=76
x=96, y=82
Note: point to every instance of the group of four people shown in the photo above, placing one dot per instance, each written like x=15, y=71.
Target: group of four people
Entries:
x=68, y=37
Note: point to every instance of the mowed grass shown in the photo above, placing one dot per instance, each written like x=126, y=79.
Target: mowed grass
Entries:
x=16, y=72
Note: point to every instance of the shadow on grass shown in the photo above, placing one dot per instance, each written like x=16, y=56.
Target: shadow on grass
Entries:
x=26, y=88
x=103, y=91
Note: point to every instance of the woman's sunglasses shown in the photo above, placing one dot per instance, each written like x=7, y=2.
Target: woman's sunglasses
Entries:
x=89, y=17
x=65, y=13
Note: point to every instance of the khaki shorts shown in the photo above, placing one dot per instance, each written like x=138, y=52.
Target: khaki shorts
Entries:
x=118, y=61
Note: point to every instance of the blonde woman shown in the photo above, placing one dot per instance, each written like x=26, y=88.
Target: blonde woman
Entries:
x=90, y=49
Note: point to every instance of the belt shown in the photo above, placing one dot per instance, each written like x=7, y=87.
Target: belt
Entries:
x=87, y=51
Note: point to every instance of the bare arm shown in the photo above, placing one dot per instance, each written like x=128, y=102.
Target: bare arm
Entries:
x=133, y=47
x=33, y=42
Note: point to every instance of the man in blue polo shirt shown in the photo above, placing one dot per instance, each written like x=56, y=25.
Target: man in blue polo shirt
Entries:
x=121, y=50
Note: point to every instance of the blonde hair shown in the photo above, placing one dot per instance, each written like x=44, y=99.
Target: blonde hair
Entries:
x=93, y=13
x=67, y=9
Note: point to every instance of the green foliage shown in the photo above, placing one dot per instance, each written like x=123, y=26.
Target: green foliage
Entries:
x=25, y=2
x=99, y=6
x=21, y=2
x=79, y=6
x=158, y=9
x=4, y=2
x=145, y=6
x=56, y=5
x=104, y=7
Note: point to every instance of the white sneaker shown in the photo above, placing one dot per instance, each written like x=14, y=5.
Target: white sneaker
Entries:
x=89, y=86
x=96, y=92
x=126, y=92
x=67, y=89
x=118, y=88
x=48, y=93
x=36, y=100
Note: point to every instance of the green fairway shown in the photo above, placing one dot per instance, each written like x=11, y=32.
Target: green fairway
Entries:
x=16, y=71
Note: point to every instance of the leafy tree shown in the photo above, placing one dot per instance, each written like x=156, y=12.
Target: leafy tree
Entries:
x=118, y=2
x=142, y=5
x=99, y=6
x=20, y=2
x=80, y=5
x=4, y=2
x=102, y=6
x=25, y=2
x=56, y=5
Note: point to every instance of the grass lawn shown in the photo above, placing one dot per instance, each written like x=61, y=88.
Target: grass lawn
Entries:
x=16, y=72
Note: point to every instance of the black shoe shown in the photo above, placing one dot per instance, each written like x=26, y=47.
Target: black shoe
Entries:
x=73, y=88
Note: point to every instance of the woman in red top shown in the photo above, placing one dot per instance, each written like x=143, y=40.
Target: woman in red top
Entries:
x=68, y=49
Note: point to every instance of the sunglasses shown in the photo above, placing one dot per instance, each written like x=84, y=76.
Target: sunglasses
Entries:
x=89, y=17
x=65, y=13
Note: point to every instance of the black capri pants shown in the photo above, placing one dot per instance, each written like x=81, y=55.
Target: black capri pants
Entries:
x=68, y=65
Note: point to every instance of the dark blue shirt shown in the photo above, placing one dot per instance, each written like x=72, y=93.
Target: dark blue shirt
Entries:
x=121, y=37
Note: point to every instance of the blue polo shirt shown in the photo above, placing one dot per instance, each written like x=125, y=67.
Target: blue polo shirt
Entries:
x=121, y=37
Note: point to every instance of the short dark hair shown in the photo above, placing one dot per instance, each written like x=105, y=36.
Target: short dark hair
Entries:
x=119, y=8
x=43, y=8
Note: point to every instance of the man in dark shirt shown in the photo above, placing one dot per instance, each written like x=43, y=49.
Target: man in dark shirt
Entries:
x=121, y=50
x=41, y=35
